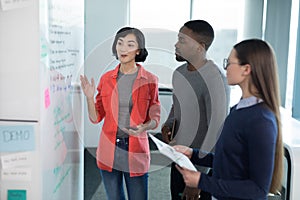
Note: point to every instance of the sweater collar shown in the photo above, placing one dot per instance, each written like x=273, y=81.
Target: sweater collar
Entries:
x=247, y=102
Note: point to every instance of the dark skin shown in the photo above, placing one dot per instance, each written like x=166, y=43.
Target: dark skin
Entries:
x=190, y=50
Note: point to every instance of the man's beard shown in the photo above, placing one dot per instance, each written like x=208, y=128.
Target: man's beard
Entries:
x=180, y=58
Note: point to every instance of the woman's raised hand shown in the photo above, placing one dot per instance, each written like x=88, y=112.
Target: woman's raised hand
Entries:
x=87, y=87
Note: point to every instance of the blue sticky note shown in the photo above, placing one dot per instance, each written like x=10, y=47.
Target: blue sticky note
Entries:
x=17, y=138
x=16, y=194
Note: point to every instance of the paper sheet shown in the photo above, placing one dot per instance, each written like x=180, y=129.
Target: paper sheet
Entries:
x=174, y=155
x=16, y=174
x=13, y=4
x=16, y=160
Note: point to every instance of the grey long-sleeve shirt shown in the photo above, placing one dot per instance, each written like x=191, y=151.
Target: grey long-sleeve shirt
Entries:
x=200, y=105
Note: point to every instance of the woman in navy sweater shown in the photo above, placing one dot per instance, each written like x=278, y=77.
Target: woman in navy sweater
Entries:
x=248, y=158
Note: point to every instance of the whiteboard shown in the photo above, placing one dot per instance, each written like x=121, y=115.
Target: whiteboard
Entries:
x=61, y=58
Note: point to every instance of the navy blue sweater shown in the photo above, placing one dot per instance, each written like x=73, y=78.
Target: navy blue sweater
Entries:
x=244, y=155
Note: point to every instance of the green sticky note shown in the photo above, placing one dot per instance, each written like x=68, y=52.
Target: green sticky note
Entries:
x=16, y=194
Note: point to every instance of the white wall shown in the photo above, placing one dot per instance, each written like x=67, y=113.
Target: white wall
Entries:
x=38, y=90
x=19, y=62
x=19, y=91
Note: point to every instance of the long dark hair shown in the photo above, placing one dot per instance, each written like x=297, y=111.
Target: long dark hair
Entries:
x=264, y=76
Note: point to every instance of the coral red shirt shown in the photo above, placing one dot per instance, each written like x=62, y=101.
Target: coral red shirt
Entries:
x=146, y=106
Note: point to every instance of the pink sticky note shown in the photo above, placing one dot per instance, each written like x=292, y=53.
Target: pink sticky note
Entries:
x=47, y=98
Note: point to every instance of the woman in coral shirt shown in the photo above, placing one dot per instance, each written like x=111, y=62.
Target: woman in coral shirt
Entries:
x=127, y=100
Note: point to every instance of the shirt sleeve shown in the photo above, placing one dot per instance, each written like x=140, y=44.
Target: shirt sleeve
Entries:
x=99, y=103
x=170, y=119
x=154, y=107
x=202, y=158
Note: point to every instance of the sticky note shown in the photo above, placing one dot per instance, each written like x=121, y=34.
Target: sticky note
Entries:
x=17, y=138
x=47, y=98
x=16, y=194
x=16, y=160
x=16, y=174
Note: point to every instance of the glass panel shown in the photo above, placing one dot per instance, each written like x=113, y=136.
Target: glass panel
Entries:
x=160, y=22
x=292, y=55
x=166, y=14
x=227, y=19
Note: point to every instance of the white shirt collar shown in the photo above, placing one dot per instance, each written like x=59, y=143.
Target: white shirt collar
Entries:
x=247, y=102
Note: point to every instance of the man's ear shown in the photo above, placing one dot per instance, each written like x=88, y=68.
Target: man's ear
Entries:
x=201, y=46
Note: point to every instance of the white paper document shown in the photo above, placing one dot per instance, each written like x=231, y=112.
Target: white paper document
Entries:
x=174, y=155
x=12, y=4
x=16, y=160
x=16, y=174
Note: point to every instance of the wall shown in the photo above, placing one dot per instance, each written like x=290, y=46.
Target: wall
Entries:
x=19, y=100
x=41, y=53
x=19, y=55
x=277, y=32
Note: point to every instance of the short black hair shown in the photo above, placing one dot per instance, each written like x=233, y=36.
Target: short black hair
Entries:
x=141, y=57
x=203, y=30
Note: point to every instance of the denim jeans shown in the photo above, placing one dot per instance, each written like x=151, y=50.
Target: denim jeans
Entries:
x=137, y=187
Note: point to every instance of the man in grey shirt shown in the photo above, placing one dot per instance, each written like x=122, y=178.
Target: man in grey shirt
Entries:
x=200, y=99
